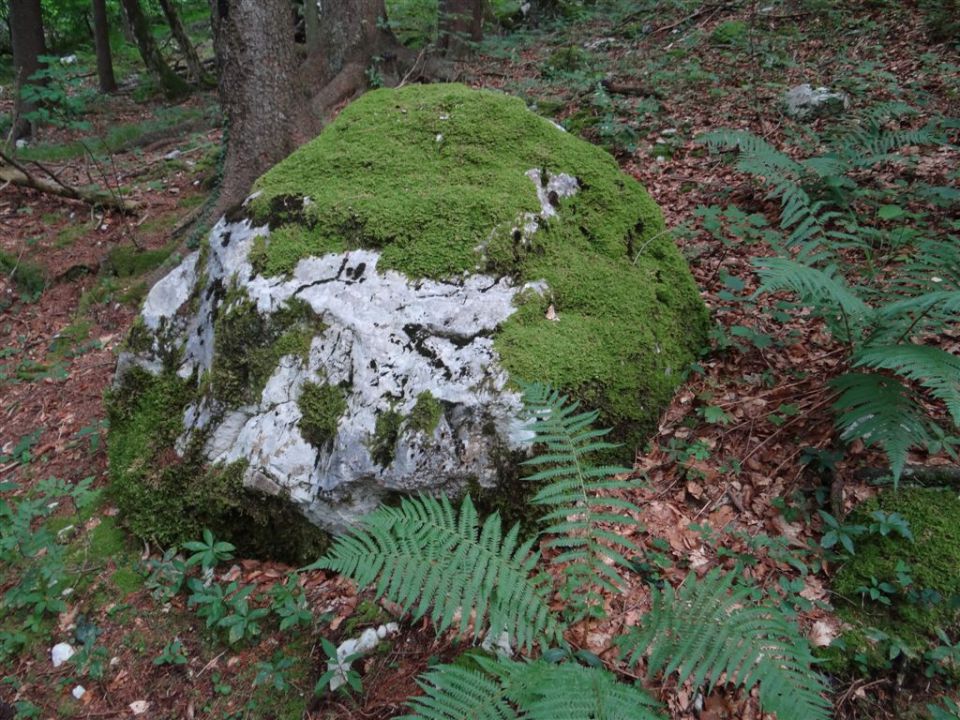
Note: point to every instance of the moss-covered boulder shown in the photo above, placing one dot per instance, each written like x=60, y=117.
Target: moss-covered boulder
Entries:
x=896, y=594
x=358, y=327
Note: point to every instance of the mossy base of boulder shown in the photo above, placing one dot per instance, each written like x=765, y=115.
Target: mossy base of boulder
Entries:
x=934, y=564
x=169, y=499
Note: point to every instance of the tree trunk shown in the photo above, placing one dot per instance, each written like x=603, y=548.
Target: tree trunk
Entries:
x=272, y=100
x=26, y=30
x=101, y=37
x=172, y=84
x=460, y=21
x=194, y=68
x=259, y=92
x=311, y=25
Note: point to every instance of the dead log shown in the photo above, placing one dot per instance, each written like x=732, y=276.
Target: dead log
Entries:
x=14, y=173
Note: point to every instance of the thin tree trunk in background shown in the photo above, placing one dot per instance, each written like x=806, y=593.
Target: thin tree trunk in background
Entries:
x=173, y=85
x=101, y=38
x=26, y=30
x=194, y=68
x=460, y=20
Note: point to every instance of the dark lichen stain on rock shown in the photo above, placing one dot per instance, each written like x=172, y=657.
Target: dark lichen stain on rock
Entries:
x=435, y=178
x=934, y=564
x=321, y=406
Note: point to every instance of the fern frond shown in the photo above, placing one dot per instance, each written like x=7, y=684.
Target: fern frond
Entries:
x=931, y=367
x=949, y=710
x=456, y=693
x=539, y=690
x=882, y=412
x=711, y=628
x=576, y=492
x=425, y=558
x=813, y=286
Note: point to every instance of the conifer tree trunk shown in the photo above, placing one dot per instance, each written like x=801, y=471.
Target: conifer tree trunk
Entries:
x=173, y=85
x=26, y=30
x=101, y=37
x=194, y=68
x=273, y=98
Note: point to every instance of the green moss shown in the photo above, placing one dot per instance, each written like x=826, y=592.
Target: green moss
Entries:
x=249, y=345
x=129, y=261
x=934, y=562
x=729, y=33
x=107, y=541
x=27, y=276
x=279, y=253
x=127, y=580
x=435, y=178
x=366, y=613
x=385, y=434
x=170, y=499
x=321, y=406
x=426, y=414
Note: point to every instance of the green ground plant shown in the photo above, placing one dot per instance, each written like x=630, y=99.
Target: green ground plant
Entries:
x=898, y=293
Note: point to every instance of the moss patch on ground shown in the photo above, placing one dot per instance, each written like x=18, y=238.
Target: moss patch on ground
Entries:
x=933, y=560
x=321, y=406
x=434, y=177
x=170, y=499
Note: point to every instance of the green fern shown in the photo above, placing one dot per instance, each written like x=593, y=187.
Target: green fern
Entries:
x=533, y=691
x=710, y=630
x=422, y=555
x=822, y=289
x=931, y=367
x=882, y=412
x=576, y=493
x=949, y=710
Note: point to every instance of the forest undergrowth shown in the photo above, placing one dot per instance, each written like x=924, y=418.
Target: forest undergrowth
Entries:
x=820, y=249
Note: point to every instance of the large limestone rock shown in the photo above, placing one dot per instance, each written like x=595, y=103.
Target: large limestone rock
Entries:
x=359, y=327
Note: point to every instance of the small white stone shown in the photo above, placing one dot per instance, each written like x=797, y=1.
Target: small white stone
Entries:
x=392, y=628
x=78, y=692
x=60, y=653
x=139, y=707
x=382, y=632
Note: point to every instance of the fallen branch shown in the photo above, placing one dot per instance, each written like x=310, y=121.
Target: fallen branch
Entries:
x=922, y=475
x=16, y=174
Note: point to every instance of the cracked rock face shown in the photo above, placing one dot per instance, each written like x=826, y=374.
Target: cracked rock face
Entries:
x=356, y=329
x=386, y=341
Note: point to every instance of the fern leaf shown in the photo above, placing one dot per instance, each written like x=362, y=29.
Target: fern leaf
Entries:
x=931, y=367
x=813, y=286
x=426, y=558
x=539, y=690
x=710, y=628
x=577, y=492
x=882, y=412
x=456, y=693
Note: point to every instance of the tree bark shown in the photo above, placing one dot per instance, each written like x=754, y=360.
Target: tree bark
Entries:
x=101, y=37
x=259, y=92
x=460, y=20
x=273, y=99
x=190, y=57
x=26, y=30
x=311, y=24
x=172, y=84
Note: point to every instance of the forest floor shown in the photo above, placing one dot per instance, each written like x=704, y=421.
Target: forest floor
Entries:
x=732, y=452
